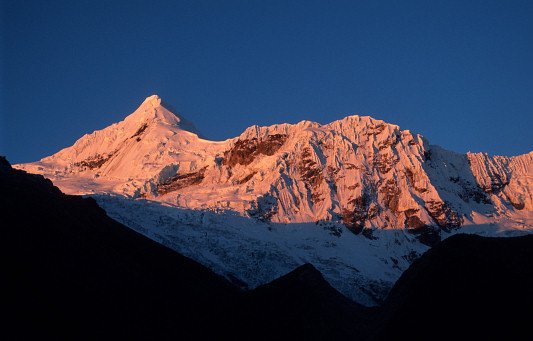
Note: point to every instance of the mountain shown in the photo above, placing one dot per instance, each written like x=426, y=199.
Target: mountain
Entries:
x=358, y=198
x=358, y=171
x=133, y=148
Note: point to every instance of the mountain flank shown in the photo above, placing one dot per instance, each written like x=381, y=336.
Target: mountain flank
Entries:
x=466, y=287
x=70, y=271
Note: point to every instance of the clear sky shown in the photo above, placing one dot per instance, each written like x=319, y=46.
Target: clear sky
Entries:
x=458, y=72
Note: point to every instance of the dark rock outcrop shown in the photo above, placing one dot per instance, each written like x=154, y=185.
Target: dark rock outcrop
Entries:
x=94, y=162
x=245, y=151
x=355, y=216
x=180, y=181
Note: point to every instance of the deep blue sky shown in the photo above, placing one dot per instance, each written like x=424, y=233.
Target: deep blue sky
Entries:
x=458, y=72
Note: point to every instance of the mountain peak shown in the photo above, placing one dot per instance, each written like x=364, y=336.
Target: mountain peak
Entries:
x=153, y=108
x=154, y=100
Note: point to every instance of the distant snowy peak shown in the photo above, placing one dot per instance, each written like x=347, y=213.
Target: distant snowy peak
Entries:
x=135, y=148
x=155, y=110
x=350, y=126
x=357, y=172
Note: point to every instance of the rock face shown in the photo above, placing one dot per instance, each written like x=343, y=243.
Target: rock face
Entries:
x=357, y=172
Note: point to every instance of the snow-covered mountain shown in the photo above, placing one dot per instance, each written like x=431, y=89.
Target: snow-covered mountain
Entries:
x=359, y=198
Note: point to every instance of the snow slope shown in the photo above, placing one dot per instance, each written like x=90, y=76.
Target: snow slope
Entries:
x=250, y=253
x=359, y=198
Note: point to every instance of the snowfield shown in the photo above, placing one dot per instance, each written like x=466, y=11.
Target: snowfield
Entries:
x=256, y=253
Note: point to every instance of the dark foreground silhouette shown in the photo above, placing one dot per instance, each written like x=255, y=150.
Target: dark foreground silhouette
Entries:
x=70, y=271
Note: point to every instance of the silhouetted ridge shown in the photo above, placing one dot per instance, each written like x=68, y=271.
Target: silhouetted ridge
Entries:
x=305, y=307
x=466, y=287
x=4, y=163
x=71, y=271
